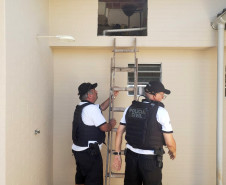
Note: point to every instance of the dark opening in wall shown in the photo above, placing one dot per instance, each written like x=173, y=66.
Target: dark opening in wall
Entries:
x=146, y=73
x=122, y=18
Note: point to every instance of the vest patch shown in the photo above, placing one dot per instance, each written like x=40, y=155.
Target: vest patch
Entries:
x=138, y=113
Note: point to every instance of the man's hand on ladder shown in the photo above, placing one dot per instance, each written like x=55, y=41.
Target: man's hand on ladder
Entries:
x=115, y=94
x=112, y=123
x=117, y=163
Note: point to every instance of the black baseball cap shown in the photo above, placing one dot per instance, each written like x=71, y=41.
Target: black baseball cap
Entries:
x=154, y=87
x=85, y=87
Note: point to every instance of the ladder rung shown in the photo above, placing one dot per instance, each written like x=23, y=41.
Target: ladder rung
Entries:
x=118, y=109
x=124, y=69
x=117, y=175
x=122, y=88
x=124, y=50
x=114, y=129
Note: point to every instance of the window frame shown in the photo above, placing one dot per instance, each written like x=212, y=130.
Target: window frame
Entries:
x=140, y=87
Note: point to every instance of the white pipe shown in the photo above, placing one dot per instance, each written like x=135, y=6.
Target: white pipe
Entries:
x=220, y=90
x=219, y=23
x=61, y=37
x=124, y=30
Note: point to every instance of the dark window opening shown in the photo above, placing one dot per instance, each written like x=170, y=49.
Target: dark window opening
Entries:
x=122, y=18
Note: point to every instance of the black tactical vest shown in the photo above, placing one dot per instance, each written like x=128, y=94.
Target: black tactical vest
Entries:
x=143, y=131
x=82, y=133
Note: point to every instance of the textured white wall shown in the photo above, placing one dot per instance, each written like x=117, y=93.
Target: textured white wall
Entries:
x=2, y=91
x=172, y=23
x=71, y=68
x=29, y=94
x=224, y=126
x=190, y=74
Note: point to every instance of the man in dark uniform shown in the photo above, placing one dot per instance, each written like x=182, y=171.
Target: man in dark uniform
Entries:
x=148, y=128
x=88, y=135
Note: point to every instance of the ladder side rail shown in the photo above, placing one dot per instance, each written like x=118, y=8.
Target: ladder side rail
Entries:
x=135, y=79
x=110, y=155
x=112, y=113
x=114, y=46
x=136, y=70
x=113, y=76
x=109, y=116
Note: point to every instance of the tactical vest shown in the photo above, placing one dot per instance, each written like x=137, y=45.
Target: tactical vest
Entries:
x=82, y=133
x=143, y=131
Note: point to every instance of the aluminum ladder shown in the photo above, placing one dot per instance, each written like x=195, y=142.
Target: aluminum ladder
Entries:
x=112, y=109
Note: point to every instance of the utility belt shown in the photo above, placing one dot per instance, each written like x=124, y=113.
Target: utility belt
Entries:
x=94, y=149
x=158, y=155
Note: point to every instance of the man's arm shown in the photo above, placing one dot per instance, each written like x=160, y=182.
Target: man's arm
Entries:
x=118, y=143
x=171, y=144
x=105, y=104
x=108, y=126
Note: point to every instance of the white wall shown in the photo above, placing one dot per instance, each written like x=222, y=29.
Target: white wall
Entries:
x=189, y=74
x=224, y=144
x=29, y=94
x=172, y=23
x=72, y=67
x=2, y=92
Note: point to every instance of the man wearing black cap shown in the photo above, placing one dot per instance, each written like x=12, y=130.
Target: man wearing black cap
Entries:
x=148, y=128
x=88, y=135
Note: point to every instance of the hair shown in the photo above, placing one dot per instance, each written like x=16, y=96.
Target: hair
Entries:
x=85, y=96
x=148, y=95
x=147, y=91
